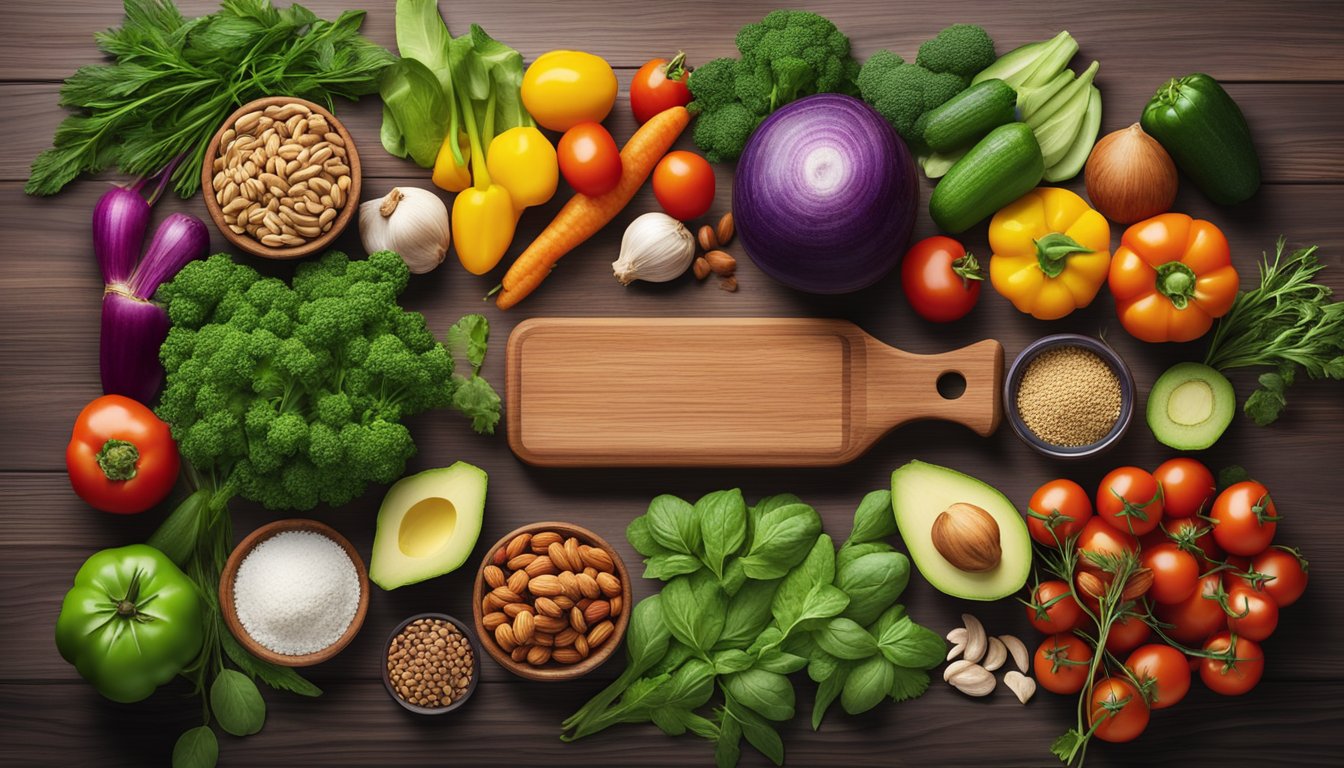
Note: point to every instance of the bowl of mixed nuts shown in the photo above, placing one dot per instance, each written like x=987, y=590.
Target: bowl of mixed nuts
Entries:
x=431, y=664
x=281, y=177
x=552, y=601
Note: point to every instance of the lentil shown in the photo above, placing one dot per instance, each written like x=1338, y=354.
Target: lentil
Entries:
x=430, y=663
x=1069, y=397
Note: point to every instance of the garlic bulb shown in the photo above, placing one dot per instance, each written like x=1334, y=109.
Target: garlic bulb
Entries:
x=656, y=248
x=413, y=222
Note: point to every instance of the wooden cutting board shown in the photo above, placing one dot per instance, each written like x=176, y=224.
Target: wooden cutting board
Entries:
x=727, y=392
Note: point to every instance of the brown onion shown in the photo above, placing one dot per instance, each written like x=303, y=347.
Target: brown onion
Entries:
x=1130, y=176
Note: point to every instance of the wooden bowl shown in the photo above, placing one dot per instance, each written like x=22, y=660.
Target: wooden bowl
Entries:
x=230, y=613
x=245, y=241
x=552, y=671
x=475, y=664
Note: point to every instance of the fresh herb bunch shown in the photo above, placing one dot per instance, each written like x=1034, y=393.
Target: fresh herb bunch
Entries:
x=1288, y=323
x=173, y=80
x=753, y=595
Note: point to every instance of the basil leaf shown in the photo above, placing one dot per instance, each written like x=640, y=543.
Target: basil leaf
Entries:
x=823, y=602
x=822, y=666
x=827, y=691
x=760, y=734
x=702, y=726
x=874, y=520
x=769, y=693
x=422, y=35
x=694, y=607
x=734, y=576
x=783, y=537
x=907, y=644
x=817, y=568
x=845, y=639
x=851, y=552
x=274, y=675
x=673, y=524
x=723, y=526
x=889, y=617
x=670, y=721
x=728, y=749
x=677, y=654
x=801, y=644
x=664, y=567
x=873, y=582
x=637, y=533
x=691, y=685
x=197, y=748
x=237, y=703
x=908, y=683
x=748, y=614
x=867, y=685
x=780, y=662
x=731, y=660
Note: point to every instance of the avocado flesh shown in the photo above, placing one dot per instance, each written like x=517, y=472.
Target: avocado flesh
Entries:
x=428, y=525
x=1190, y=406
x=920, y=492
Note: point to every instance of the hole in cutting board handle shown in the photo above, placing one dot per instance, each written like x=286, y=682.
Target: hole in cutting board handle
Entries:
x=951, y=385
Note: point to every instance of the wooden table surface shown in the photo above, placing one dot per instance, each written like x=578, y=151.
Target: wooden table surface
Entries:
x=1282, y=61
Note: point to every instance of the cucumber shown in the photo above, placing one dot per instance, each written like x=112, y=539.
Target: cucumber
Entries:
x=1057, y=132
x=1030, y=100
x=967, y=117
x=1016, y=66
x=1195, y=120
x=1077, y=155
x=1005, y=165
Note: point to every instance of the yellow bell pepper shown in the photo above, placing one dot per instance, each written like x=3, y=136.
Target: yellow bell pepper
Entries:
x=484, y=217
x=523, y=161
x=450, y=175
x=1051, y=252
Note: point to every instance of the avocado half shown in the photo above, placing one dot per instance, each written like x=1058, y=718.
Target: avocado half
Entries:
x=1190, y=406
x=920, y=492
x=428, y=525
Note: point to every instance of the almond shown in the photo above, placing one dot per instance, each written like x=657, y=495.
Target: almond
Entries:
x=700, y=267
x=728, y=284
x=588, y=586
x=967, y=537
x=500, y=557
x=551, y=624
x=523, y=628
x=545, y=586
x=547, y=607
x=563, y=601
x=490, y=603
x=513, y=609
x=545, y=639
x=505, y=595
x=576, y=620
x=517, y=582
x=519, y=654
x=566, y=656
x=609, y=584
x=565, y=637
x=518, y=545
x=721, y=263
x=724, y=232
x=591, y=572
x=573, y=555
x=600, y=633
x=541, y=542
x=1090, y=584
x=584, y=603
x=538, y=655
x=599, y=559
x=581, y=645
x=493, y=576
x=492, y=620
x=569, y=585
x=504, y=638
x=1138, y=584
x=519, y=562
x=707, y=238
x=560, y=557
x=617, y=602
x=596, y=611
x=540, y=566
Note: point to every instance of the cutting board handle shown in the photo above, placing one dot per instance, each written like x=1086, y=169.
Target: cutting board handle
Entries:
x=903, y=387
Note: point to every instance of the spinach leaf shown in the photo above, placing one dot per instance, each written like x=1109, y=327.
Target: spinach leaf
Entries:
x=728, y=749
x=731, y=660
x=761, y=734
x=889, y=617
x=780, y=662
x=641, y=698
x=646, y=642
x=874, y=520
x=734, y=576
x=422, y=35
x=702, y=726
x=748, y=614
x=851, y=552
x=907, y=644
x=873, y=582
x=769, y=693
x=677, y=654
x=822, y=666
x=237, y=703
x=867, y=685
x=694, y=608
x=829, y=688
x=664, y=567
x=782, y=538
x=197, y=748
x=274, y=675
x=670, y=721
x=690, y=686
x=823, y=602
x=641, y=538
x=908, y=683
x=412, y=94
x=723, y=526
x=845, y=639
x=673, y=524
x=817, y=568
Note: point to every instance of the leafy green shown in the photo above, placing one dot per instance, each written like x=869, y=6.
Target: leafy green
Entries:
x=873, y=582
x=665, y=567
x=694, y=608
x=783, y=537
x=760, y=734
x=845, y=639
x=768, y=693
x=727, y=749
x=237, y=703
x=827, y=692
x=196, y=748
x=865, y=686
x=467, y=338
x=277, y=677
x=907, y=644
x=173, y=80
x=723, y=526
x=908, y=683
x=639, y=536
x=748, y=614
x=874, y=520
x=418, y=107
x=673, y=524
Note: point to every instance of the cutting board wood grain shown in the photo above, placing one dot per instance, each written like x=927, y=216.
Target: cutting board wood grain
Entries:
x=728, y=392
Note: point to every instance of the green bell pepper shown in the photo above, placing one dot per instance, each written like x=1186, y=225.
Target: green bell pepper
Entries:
x=1206, y=134
x=130, y=623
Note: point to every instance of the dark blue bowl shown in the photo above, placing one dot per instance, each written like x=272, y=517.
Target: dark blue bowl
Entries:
x=1102, y=350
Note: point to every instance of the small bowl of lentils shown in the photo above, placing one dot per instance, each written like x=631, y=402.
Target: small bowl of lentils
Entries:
x=431, y=664
x=1069, y=396
x=281, y=177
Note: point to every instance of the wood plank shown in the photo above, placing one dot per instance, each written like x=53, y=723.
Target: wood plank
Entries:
x=1291, y=40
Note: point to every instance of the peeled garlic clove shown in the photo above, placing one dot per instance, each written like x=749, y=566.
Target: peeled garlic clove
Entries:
x=957, y=636
x=410, y=221
x=973, y=680
x=956, y=668
x=656, y=248
x=1022, y=686
x=995, y=654
x=975, y=637
x=1018, y=650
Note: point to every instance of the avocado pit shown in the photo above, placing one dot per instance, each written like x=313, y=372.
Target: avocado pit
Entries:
x=967, y=537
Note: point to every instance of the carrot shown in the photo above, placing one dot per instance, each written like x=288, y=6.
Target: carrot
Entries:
x=583, y=216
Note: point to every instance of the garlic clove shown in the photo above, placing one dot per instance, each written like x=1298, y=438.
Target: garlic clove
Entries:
x=995, y=655
x=656, y=248
x=1018, y=650
x=1022, y=686
x=976, y=641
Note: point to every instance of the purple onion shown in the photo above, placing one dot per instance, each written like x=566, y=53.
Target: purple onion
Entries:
x=825, y=195
x=179, y=239
x=119, y=222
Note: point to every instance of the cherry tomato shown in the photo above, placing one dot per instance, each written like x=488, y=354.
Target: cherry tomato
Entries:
x=1175, y=572
x=1166, y=667
x=1062, y=663
x=1061, y=505
x=658, y=85
x=1098, y=537
x=589, y=159
x=1053, y=609
x=1130, y=500
x=1118, y=712
x=1196, y=617
x=1253, y=615
x=1187, y=487
x=1240, y=672
x=1190, y=534
x=1286, y=570
x=1127, y=634
x=941, y=280
x=683, y=182
x=1244, y=518
x=121, y=457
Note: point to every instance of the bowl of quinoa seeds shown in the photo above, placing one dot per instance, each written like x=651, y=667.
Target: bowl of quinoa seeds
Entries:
x=430, y=666
x=1069, y=396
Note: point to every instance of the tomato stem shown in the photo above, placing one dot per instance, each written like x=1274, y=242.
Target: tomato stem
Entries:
x=676, y=69
x=117, y=459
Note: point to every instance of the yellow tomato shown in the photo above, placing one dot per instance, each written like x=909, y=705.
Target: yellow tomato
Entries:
x=564, y=88
x=523, y=161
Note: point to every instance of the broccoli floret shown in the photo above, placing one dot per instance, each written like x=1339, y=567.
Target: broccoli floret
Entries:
x=722, y=133
x=961, y=49
x=712, y=85
x=902, y=92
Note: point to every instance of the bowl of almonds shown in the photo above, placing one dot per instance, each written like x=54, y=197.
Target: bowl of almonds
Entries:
x=281, y=177
x=552, y=601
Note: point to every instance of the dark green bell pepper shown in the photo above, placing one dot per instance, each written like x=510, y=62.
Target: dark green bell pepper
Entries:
x=1195, y=120
x=130, y=623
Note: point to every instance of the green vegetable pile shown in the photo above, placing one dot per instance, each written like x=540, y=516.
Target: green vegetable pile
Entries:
x=902, y=92
x=753, y=595
x=173, y=80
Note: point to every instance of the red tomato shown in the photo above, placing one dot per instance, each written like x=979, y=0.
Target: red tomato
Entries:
x=1130, y=500
x=589, y=159
x=1187, y=486
x=1190, y=534
x=1100, y=538
x=1239, y=672
x=1244, y=518
x=683, y=182
x=1286, y=570
x=1118, y=713
x=1127, y=634
x=1166, y=667
x=658, y=85
x=1053, y=609
x=1253, y=615
x=121, y=457
x=1175, y=572
x=1061, y=505
x=941, y=280
x=1195, y=618
x=1062, y=663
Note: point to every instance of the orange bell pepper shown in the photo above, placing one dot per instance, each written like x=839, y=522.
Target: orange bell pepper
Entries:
x=1172, y=277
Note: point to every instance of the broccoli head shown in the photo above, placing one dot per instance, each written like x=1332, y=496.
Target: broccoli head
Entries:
x=291, y=396
x=902, y=92
x=961, y=49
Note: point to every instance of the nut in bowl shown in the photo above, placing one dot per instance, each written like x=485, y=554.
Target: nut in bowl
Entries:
x=281, y=178
x=552, y=601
